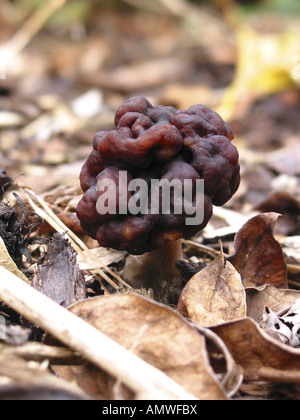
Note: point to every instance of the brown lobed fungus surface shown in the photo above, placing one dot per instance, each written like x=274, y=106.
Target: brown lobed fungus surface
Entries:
x=157, y=142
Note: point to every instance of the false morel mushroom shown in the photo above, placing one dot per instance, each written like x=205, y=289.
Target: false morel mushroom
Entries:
x=126, y=172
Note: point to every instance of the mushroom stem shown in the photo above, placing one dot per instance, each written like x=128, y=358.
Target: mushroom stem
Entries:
x=156, y=270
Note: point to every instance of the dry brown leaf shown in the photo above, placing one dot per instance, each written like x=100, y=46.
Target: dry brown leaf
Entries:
x=270, y=296
x=153, y=332
x=261, y=356
x=258, y=256
x=214, y=295
x=230, y=374
x=95, y=382
x=280, y=201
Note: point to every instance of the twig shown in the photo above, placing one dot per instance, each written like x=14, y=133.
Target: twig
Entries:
x=47, y=214
x=210, y=252
x=40, y=352
x=93, y=345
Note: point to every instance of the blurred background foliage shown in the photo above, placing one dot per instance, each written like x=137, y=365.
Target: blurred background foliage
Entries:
x=264, y=33
x=239, y=57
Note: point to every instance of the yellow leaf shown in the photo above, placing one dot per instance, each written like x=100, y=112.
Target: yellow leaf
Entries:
x=267, y=63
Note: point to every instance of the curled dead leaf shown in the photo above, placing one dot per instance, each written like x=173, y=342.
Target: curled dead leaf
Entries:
x=261, y=356
x=258, y=256
x=270, y=296
x=153, y=332
x=214, y=295
x=231, y=375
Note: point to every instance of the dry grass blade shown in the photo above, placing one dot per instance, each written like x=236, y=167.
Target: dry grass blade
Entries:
x=40, y=352
x=210, y=252
x=47, y=214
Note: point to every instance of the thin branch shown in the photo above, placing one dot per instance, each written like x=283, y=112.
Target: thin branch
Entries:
x=90, y=343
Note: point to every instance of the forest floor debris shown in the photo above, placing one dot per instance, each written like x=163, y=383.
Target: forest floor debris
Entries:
x=244, y=330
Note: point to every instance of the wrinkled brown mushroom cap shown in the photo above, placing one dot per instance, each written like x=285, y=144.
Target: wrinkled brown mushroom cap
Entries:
x=157, y=142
